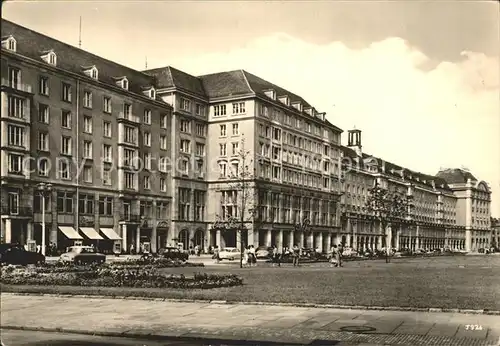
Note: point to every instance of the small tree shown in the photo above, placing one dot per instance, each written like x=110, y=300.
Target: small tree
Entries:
x=388, y=207
x=243, y=183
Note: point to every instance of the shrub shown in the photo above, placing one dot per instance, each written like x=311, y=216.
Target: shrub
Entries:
x=160, y=262
x=145, y=276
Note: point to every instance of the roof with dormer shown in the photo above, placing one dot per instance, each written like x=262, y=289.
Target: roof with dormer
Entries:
x=398, y=172
x=170, y=77
x=456, y=176
x=224, y=84
x=32, y=44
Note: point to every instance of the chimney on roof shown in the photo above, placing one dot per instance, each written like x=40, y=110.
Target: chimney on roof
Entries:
x=354, y=140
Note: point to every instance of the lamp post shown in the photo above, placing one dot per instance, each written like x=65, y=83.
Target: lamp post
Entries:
x=44, y=188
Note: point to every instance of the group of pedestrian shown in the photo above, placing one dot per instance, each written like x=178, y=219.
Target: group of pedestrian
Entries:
x=336, y=256
x=249, y=256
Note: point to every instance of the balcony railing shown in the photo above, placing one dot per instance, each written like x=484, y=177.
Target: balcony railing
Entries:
x=17, y=85
x=16, y=210
x=130, y=217
x=129, y=117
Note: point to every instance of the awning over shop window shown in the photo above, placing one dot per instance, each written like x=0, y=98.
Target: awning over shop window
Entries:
x=111, y=234
x=90, y=233
x=70, y=232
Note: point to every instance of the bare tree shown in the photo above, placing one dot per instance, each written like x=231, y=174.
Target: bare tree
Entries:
x=388, y=207
x=242, y=183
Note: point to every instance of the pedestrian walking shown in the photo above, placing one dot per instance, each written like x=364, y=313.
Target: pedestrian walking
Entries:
x=339, y=255
x=216, y=254
x=333, y=256
x=295, y=255
x=252, y=257
x=276, y=256
x=245, y=261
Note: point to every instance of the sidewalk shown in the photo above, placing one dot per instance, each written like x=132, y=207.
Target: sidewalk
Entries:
x=293, y=325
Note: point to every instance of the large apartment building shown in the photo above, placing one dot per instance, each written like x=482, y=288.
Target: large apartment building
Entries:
x=72, y=124
x=450, y=209
x=293, y=154
x=128, y=158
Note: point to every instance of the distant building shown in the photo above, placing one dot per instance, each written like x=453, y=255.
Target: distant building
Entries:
x=495, y=234
x=80, y=123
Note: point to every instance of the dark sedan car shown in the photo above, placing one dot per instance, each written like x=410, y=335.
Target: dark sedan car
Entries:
x=17, y=254
x=174, y=253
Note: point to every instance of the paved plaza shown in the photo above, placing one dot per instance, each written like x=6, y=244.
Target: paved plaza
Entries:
x=247, y=322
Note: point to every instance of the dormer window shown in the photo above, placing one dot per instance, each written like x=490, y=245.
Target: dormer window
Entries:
x=285, y=100
x=297, y=105
x=271, y=94
x=122, y=82
x=92, y=72
x=310, y=110
x=9, y=43
x=150, y=92
x=50, y=58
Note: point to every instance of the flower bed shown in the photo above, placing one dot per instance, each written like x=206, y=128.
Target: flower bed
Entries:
x=159, y=262
x=114, y=275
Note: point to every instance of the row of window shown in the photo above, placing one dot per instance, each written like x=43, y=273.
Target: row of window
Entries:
x=293, y=208
x=297, y=141
x=237, y=107
x=235, y=130
x=184, y=205
x=185, y=105
x=200, y=129
x=87, y=204
x=286, y=119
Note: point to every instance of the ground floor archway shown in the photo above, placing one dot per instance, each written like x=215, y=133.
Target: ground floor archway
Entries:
x=199, y=239
x=184, y=239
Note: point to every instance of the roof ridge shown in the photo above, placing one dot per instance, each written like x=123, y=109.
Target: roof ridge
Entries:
x=73, y=47
x=169, y=71
x=246, y=80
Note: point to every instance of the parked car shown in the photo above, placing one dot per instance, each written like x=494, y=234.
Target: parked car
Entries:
x=230, y=253
x=349, y=252
x=264, y=252
x=82, y=255
x=174, y=253
x=17, y=254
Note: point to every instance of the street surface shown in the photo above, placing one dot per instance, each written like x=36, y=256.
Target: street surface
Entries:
x=290, y=325
x=36, y=338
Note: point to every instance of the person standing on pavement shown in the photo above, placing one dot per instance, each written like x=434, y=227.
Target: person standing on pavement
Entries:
x=216, y=254
x=295, y=255
x=338, y=256
x=333, y=253
x=341, y=251
x=275, y=256
x=252, y=257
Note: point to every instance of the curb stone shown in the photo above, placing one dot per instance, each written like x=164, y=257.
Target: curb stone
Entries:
x=344, y=337
x=304, y=305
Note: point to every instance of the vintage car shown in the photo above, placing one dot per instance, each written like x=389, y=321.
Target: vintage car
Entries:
x=173, y=253
x=17, y=254
x=82, y=255
x=265, y=252
x=230, y=253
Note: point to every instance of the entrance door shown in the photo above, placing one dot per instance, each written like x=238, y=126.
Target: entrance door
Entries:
x=184, y=239
x=199, y=239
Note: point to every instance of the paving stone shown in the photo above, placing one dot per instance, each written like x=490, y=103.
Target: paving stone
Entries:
x=443, y=330
x=383, y=327
x=284, y=322
x=413, y=328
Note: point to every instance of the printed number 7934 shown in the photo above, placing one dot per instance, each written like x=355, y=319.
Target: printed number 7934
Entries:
x=473, y=327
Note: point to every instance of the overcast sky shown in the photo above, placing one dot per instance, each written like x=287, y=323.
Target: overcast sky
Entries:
x=420, y=79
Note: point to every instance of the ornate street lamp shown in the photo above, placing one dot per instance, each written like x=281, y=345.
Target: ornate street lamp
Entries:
x=44, y=190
